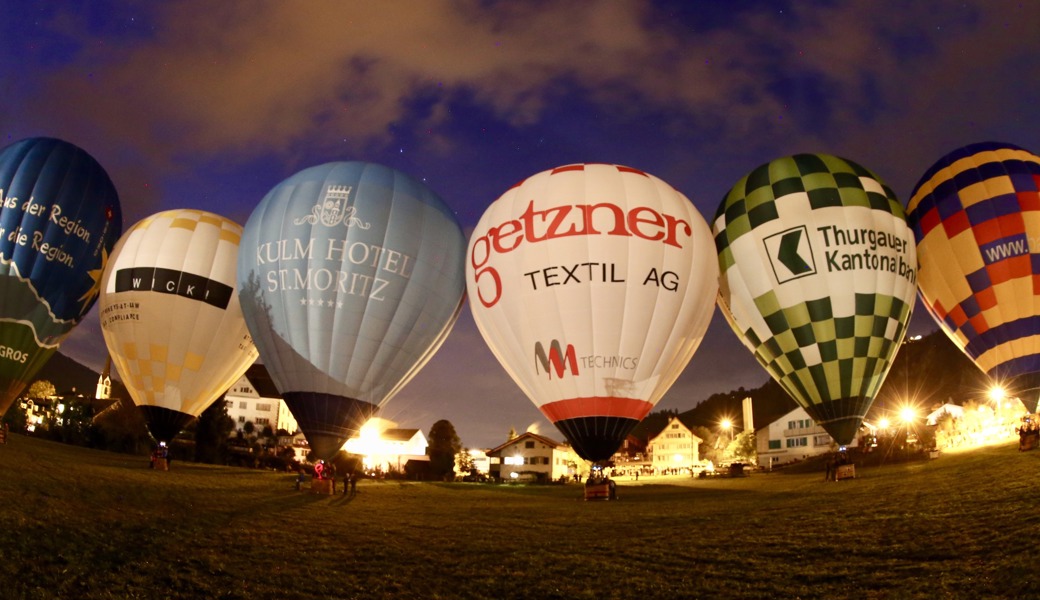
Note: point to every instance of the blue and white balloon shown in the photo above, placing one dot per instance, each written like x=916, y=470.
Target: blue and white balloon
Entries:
x=350, y=275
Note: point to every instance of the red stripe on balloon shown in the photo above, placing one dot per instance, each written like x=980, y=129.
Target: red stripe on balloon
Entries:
x=598, y=406
x=568, y=168
x=630, y=170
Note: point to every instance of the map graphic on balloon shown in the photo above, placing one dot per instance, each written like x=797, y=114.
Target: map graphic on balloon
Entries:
x=976, y=216
x=351, y=276
x=593, y=285
x=59, y=219
x=171, y=318
x=818, y=278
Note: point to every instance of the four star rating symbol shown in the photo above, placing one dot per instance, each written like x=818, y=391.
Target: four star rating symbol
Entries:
x=321, y=302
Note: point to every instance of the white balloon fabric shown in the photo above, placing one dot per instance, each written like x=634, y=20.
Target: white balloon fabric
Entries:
x=593, y=284
x=171, y=317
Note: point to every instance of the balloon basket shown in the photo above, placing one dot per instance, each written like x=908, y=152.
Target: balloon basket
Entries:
x=324, y=487
x=604, y=489
x=845, y=472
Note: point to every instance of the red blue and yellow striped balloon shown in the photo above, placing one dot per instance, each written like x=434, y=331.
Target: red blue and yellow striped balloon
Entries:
x=976, y=217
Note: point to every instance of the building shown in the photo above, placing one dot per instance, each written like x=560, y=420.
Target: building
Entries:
x=533, y=457
x=386, y=448
x=793, y=437
x=675, y=449
x=254, y=399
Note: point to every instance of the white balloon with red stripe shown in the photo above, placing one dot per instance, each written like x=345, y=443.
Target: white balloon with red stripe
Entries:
x=593, y=284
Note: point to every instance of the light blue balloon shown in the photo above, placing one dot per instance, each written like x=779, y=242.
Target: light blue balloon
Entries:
x=350, y=276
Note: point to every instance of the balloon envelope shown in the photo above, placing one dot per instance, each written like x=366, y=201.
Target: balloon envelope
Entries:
x=593, y=285
x=352, y=275
x=59, y=218
x=171, y=317
x=976, y=216
x=818, y=280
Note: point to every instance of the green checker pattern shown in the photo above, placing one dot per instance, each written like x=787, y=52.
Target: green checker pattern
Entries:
x=828, y=180
x=831, y=365
x=837, y=383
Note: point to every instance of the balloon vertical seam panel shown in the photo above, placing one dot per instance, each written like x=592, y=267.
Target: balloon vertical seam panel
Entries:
x=820, y=344
x=170, y=314
x=528, y=267
x=981, y=200
x=59, y=217
x=356, y=198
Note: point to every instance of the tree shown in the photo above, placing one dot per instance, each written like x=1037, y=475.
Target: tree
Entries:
x=465, y=461
x=443, y=445
x=211, y=433
x=41, y=388
x=743, y=448
x=512, y=434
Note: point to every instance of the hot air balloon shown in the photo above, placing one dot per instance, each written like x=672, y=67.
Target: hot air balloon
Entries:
x=171, y=317
x=818, y=276
x=593, y=285
x=976, y=216
x=352, y=275
x=59, y=218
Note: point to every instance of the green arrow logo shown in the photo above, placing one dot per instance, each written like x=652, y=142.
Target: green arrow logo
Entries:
x=788, y=254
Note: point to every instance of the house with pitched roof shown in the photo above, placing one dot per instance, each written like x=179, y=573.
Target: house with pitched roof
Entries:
x=533, y=457
x=675, y=449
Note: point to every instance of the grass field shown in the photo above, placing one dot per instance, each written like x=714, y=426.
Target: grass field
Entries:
x=77, y=523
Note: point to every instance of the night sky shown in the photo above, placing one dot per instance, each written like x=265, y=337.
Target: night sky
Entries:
x=209, y=105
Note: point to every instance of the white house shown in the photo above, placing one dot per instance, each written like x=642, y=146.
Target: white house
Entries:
x=532, y=457
x=794, y=436
x=250, y=401
x=676, y=448
x=384, y=447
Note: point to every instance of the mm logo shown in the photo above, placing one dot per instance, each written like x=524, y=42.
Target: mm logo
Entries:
x=556, y=360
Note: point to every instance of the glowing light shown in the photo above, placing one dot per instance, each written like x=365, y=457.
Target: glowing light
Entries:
x=883, y=423
x=996, y=394
x=677, y=458
x=726, y=424
x=907, y=414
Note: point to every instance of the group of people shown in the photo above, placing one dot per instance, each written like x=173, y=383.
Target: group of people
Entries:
x=325, y=471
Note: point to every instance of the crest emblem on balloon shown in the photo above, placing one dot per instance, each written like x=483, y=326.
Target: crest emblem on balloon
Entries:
x=818, y=277
x=593, y=285
x=976, y=216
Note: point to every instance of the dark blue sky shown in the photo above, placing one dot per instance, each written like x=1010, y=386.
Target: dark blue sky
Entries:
x=210, y=104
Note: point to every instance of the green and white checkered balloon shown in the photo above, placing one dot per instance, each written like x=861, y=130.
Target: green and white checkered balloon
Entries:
x=818, y=274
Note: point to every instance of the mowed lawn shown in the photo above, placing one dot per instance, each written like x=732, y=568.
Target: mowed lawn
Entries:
x=78, y=523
